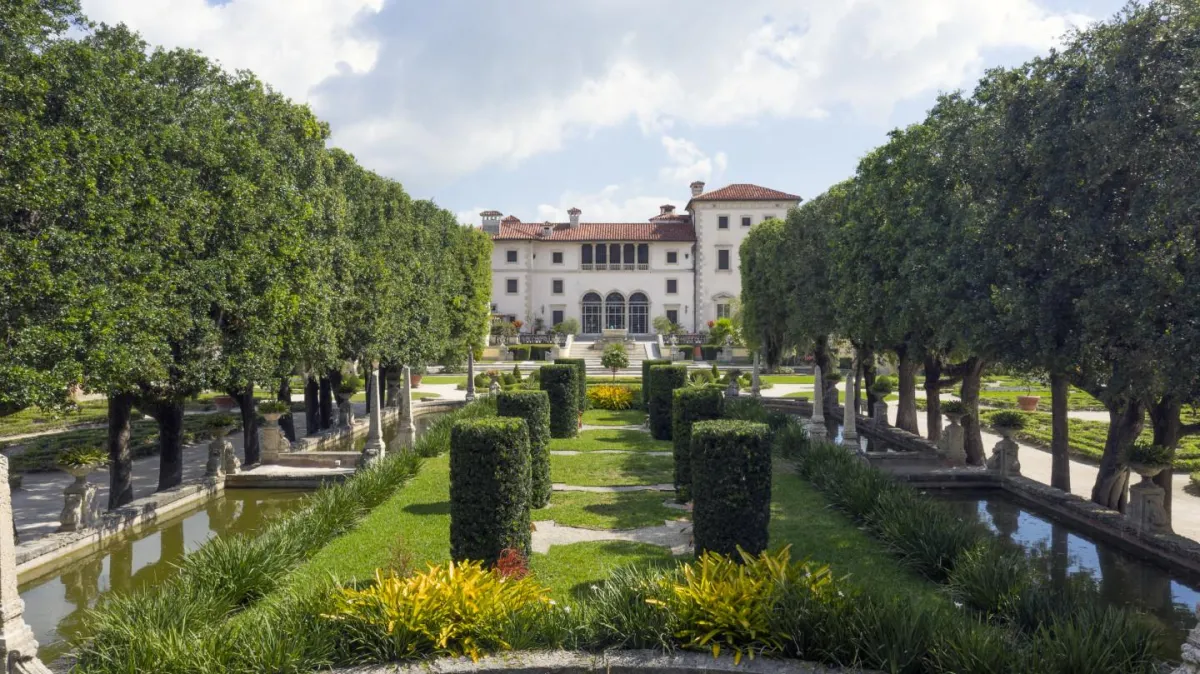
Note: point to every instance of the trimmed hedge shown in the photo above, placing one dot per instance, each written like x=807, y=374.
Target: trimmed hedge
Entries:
x=489, y=489
x=581, y=365
x=646, y=365
x=690, y=405
x=531, y=351
x=664, y=379
x=561, y=383
x=731, y=479
x=534, y=408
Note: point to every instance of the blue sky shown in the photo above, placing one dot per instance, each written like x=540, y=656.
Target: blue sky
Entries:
x=533, y=106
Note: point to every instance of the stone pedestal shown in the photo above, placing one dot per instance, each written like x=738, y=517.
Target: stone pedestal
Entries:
x=274, y=442
x=881, y=412
x=1191, y=651
x=215, y=468
x=346, y=415
x=18, y=648
x=470, y=375
x=725, y=355
x=1146, y=509
x=1004, y=456
x=755, y=384
x=849, y=417
x=954, y=442
x=374, y=449
x=816, y=426
x=407, y=433
x=79, y=499
x=230, y=463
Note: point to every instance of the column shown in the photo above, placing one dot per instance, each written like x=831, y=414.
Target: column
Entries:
x=816, y=426
x=849, y=418
x=755, y=386
x=374, y=450
x=408, y=432
x=18, y=649
x=470, y=373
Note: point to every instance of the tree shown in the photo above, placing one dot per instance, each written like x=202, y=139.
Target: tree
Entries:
x=767, y=292
x=615, y=358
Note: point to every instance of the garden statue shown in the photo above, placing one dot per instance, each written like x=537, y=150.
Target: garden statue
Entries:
x=1191, y=651
x=674, y=340
x=346, y=414
x=218, y=449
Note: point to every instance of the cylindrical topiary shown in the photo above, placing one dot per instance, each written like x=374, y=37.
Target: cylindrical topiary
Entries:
x=646, y=365
x=489, y=488
x=731, y=484
x=690, y=405
x=580, y=366
x=534, y=408
x=664, y=379
x=561, y=383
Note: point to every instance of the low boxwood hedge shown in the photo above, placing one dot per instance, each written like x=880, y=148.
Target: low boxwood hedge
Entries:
x=691, y=404
x=646, y=365
x=731, y=480
x=664, y=379
x=489, y=489
x=561, y=383
x=531, y=351
x=580, y=366
x=534, y=408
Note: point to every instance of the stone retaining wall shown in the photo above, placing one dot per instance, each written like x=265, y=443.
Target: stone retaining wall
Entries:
x=608, y=662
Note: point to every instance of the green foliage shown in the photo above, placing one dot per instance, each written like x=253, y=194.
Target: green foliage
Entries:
x=646, y=365
x=273, y=407
x=615, y=358
x=489, y=489
x=570, y=326
x=663, y=326
x=722, y=328
x=664, y=379
x=689, y=406
x=516, y=373
x=883, y=386
x=1145, y=453
x=955, y=407
x=561, y=382
x=581, y=380
x=534, y=408
x=78, y=457
x=731, y=485
x=1007, y=419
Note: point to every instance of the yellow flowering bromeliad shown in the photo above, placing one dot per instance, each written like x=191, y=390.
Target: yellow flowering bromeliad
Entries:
x=610, y=397
x=452, y=610
x=722, y=604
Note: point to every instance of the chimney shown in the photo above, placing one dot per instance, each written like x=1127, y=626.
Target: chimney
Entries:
x=547, y=229
x=574, y=213
x=666, y=210
x=697, y=188
x=491, y=222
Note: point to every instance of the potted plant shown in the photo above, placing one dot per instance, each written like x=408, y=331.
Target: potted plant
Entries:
x=517, y=325
x=696, y=352
x=220, y=423
x=1007, y=422
x=954, y=410
x=883, y=387
x=80, y=461
x=349, y=386
x=415, y=373
x=271, y=410
x=1148, y=459
x=1028, y=402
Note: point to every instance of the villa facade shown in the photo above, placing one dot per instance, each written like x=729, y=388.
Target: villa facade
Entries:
x=622, y=275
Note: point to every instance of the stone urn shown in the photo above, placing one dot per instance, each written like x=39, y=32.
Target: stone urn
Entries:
x=80, y=473
x=1146, y=470
x=1004, y=455
x=217, y=462
x=1028, y=403
x=223, y=403
x=77, y=510
x=1147, y=501
x=1006, y=432
x=414, y=380
x=953, y=440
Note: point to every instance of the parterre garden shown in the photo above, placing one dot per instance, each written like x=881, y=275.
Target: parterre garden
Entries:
x=789, y=549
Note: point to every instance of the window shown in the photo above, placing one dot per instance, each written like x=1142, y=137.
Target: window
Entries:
x=672, y=257
x=510, y=286
x=601, y=254
x=614, y=253
x=643, y=255
x=745, y=221
x=672, y=286
x=556, y=286
x=556, y=316
x=673, y=316
x=723, y=259
x=722, y=310
x=586, y=253
x=768, y=216
x=510, y=255
x=557, y=257
x=723, y=222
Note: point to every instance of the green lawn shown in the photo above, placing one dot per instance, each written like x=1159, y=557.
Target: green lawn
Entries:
x=361, y=397
x=444, y=379
x=787, y=378
x=610, y=470
x=35, y=419
x=1078, y=400
x=571, y=570
x=841, y=396
x=625, y=510
x=614, y=417
x=611, y=438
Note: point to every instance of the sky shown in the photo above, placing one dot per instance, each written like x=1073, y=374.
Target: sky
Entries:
x=531, y=107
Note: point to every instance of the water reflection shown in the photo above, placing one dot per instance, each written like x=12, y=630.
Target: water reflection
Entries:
x=1122, y=579
x=55, y=604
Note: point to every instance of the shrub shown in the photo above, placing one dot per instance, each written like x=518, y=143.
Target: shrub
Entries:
x=610, y=397
x=833, y=376
x=716, y=373
x=581, y=384
x=489, y=489
x=690, y=405
x=350, y=385
x=924, y=534
x=731, y=484
x=534, y=408
x=954, y=407
x=79, y=457
x=700, y=377
x=990, y=577
x=540, y=351
x=569, y=326
x=452, y=610
x=274, y=407
x=646, y=365
x=218, y=420
x=516, y=373
x=883, y=387
x=561, y=382
x=519, y=351
x=664, y=379
x=1144, y=453
x=1007, y=419
x=746, y=409
x=615, y=358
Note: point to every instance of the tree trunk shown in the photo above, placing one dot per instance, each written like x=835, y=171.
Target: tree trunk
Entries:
x=1060, y=457
x=821, y=359
x=335, y=383
x=245, y=401
x=972, y=435
x=1124, y=426
x=1168, y=431
x=312, y=405
x=287, y=422
x=326, y=392
x=169, y=415
x=906, y=409
x=868, y=380
x=120, y=459
x=933, y=401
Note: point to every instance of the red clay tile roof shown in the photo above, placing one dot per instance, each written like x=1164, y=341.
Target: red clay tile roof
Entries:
x=745, y=192
x=511, y=218
x=599, y=231
x=672, y=217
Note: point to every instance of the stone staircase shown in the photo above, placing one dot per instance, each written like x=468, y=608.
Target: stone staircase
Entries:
x=635, y=350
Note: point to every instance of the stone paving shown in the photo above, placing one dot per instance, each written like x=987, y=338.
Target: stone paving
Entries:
x=675, y=535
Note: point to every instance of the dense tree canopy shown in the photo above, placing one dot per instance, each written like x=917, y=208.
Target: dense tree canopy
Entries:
x=1047, y=222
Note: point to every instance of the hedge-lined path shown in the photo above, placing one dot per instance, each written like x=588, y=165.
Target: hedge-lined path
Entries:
x=572, y=452
x=614, y=489
x=675, y=536
x=599, y=427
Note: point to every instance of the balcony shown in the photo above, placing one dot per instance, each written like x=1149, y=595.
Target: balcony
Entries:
x=614, y=266
x=643, y=266
x=586, y=266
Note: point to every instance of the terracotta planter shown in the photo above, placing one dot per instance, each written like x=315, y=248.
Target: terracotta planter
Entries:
x=414, y=380
x=696, y=353
x=224, y=403
x=1028, y=403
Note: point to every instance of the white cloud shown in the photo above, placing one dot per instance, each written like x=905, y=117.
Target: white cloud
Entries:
x=689, y=162
x=613, y=203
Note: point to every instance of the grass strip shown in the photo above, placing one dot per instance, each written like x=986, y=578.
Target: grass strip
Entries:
x=611, y=439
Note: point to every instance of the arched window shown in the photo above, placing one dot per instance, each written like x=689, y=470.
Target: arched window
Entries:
x=643, y=256
x=601, y=255
x=590, y=310
x=627, y=254
x=614, y=311
x=585, y=253
x=639, y=314
x=614, y=253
